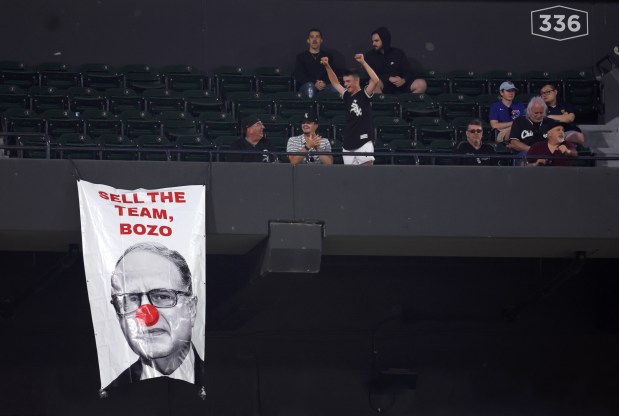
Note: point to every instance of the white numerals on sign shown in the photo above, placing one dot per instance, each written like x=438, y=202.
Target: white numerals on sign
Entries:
x=559, y=23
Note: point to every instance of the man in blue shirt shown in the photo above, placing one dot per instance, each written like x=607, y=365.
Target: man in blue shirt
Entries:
x=504, y=112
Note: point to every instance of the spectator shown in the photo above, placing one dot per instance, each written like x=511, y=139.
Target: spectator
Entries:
x=309, y=74
x=359, y=131
x=309, y=143
x=504, y=112
x=475, y=147
x=391, y=66
x=555, y=145
x=252, y=139
x=529, y=129
x=563, y=112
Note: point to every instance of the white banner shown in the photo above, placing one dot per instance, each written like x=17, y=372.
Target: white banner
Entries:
x=144, y=257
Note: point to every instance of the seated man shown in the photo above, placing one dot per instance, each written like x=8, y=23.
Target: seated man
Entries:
x=562, y=112
x=392, y=67
x=530, y=128
x=504, y=112
x=309, y=143
x=253, y=140
x=474, y=146
x=309, y=74
x=555, y=145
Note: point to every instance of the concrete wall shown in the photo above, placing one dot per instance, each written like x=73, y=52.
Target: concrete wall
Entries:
x=382, y=210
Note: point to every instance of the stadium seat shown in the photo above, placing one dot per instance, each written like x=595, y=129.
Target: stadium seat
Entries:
x=139, y=123
x=59, y=122
x=232, y=78
x=99, y=122
x=275, y=127
x=158, y=100
x=537, y=79
x=122, y=99
x=467, y=82
x=582, y=90
x=101, y=77
x=405, y=152
x=175, y=123
x=141, y=77
x=16, y=73
x=117, y=147
x=194, y=148
x=59, y=75
x=428, y=129
x=271, y=79
x=291, y=103
x=82, y=99
x=181, y=78
x=201, y=101
x=223, y=143
x=213, y=125
x=386, y=105
x=154, y=147
x=35, y=147
x=389, y=129
x=437, y=82
x=496, y=77
x=456, y=105
x=11, y=96
x=43, y=98
x=418, y=105
x=77, y=146
x=244, y=103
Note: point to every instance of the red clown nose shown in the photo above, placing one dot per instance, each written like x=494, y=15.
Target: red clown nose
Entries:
x=147, y=315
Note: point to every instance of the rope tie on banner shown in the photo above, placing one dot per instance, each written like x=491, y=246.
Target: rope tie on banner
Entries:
x=75, y=170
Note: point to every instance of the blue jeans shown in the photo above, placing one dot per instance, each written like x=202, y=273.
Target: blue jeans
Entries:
x=308, y=90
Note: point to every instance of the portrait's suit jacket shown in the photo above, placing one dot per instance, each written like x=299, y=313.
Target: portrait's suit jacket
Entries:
x=134, y=372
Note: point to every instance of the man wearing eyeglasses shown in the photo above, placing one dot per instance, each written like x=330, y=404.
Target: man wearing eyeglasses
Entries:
x=156, y=309
x=474, y=146
x=563, y=113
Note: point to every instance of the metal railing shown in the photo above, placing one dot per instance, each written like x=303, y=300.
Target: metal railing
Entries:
x=214, y=154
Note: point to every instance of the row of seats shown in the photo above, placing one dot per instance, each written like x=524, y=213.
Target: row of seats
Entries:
x=270, y=79
x=116, y=100
x=173, y=123
x=196, y=148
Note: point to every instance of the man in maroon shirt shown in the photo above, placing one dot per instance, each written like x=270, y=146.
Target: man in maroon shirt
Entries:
x=555, y=145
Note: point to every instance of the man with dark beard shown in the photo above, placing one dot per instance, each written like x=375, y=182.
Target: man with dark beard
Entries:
x=391, y=66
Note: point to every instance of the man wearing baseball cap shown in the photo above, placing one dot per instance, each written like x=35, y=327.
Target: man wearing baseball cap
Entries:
x=309, y=143
x=554, y=145
x=503, y=113
x=252, y=140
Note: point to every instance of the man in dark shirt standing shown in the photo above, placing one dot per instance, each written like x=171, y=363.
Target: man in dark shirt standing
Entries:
x=309, y=74
x=392, y=66
x=359, y=130
x=252, y=139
